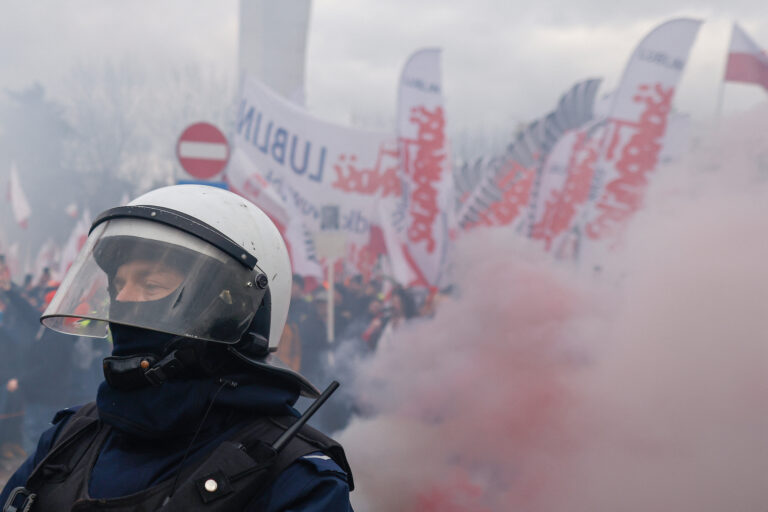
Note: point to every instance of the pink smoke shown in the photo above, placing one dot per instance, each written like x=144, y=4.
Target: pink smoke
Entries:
x=544, y=389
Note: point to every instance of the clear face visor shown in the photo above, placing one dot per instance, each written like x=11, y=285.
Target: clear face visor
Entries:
x=145, y=274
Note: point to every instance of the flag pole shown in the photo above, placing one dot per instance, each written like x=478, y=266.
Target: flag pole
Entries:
x=720, y=94
x=721, y=89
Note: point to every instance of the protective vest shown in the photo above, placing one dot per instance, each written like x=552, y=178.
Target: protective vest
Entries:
x=230, y=477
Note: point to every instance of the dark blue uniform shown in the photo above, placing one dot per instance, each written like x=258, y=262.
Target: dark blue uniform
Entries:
x=129, y=463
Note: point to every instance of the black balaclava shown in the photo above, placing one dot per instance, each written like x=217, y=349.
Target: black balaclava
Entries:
x=174, y=407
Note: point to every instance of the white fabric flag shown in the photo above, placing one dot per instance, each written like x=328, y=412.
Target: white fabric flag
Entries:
x=632, y=142
x=19, y=203
x=420, y=217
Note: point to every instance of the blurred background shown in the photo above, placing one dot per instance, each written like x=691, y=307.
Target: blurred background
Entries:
x=531, y=359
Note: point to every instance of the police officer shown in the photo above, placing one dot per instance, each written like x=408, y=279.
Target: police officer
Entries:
x=193, y=284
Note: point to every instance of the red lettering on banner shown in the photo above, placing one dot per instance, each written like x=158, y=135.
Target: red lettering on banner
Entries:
x=516, y=186
x=639, y=156
x=560, y=210
x=253, y=190
x=362, y=259
x=381, y=179
x=424, y=170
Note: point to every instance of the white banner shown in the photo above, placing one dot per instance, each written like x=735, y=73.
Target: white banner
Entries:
x=309, y=174
x=420, y=217
x=637, y=124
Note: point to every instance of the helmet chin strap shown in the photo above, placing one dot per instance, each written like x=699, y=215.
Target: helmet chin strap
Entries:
x=136, y=371
x=142, y=370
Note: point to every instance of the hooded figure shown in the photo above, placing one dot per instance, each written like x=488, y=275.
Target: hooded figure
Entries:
x=192, y=283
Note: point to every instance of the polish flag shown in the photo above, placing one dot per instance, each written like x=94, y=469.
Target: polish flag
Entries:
x=19, y=203
x=75, y=243
x=747, y=62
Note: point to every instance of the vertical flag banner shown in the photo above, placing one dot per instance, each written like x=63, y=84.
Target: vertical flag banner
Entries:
x=293, y=164
x=75, y=242
x=523, y=181
x=747, y=62
x=421, y=217
x=19, y=203
x=567, y=134
x=637, y=123
x=566, y=177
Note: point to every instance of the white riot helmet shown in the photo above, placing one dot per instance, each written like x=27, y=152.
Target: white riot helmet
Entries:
x=226, y=268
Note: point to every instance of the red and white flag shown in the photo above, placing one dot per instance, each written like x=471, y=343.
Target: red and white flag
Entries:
x=19, y=203
x=75, y=243
x=747, y=62
x=48, y=257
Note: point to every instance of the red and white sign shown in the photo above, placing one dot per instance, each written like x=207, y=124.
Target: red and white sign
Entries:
x=203, y=150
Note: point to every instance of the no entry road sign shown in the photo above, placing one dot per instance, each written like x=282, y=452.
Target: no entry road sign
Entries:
x=203, y=150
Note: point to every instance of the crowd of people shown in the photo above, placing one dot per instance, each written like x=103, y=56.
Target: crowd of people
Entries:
x=367, y=313
x=43, y=371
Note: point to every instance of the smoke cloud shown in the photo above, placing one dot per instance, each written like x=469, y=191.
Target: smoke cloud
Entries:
x=547, y=388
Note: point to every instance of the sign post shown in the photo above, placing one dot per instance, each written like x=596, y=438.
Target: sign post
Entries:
x=330, y=244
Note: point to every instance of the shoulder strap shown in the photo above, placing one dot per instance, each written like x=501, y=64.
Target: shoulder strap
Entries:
x=309, y=440
x=73, y=440
x=75, y=421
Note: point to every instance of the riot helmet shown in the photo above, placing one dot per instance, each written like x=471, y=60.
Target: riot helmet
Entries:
x=194, y=262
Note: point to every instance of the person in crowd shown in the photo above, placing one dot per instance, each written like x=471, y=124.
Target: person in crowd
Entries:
x=433, y=301
x=193, y=285
x=42, y=290
x=5, y=273
x=44, y=371
x=403, y=309
x=379, y=318
x=28, y=289
x=299, y=304
x=355, y=299
x=314, y=337
x=343, y=311
x=44, y=279
x=86, y=369
x=11, y=405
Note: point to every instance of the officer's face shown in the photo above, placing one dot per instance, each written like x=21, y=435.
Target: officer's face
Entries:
x=144, y=280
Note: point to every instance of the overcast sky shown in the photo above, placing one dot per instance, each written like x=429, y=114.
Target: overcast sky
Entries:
x=503, y=60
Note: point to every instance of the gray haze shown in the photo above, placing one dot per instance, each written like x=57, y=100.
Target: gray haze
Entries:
x=502, y=61
x=94, y=93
